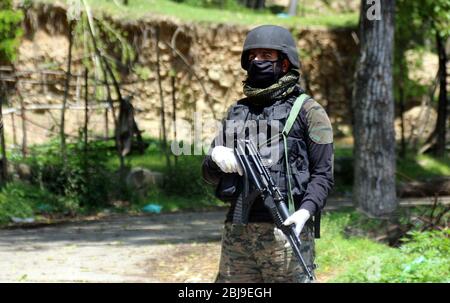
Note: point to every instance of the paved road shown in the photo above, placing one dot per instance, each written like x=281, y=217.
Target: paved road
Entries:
x=152, y=248
x=181, y=247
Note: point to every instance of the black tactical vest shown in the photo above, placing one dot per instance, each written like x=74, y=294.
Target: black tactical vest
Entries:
x=276, y=115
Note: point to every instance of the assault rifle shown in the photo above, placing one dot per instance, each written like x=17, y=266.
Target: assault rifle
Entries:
x=255, y=171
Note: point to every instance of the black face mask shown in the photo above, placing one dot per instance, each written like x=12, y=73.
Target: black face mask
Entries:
x=264, y=73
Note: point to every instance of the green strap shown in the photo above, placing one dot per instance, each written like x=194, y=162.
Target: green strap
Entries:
x=294, y=113
x=295, y=110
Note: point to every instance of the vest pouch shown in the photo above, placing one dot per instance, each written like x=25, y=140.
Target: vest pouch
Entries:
x=299, y=180
x=228, y=188
x=279, y=176
x=272, y=152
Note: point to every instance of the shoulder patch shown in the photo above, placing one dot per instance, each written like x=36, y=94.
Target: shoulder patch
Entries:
x=319, y=126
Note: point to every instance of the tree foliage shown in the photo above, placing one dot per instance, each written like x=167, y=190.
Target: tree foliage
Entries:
x=437, y=12
x=418, y=25
x=421, y=19
x=10, y=31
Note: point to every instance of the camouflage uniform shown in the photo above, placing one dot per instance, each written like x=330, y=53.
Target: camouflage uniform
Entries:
x=253, y=253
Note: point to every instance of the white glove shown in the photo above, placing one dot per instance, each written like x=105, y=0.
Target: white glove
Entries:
x=226, y=160
x=298, y=218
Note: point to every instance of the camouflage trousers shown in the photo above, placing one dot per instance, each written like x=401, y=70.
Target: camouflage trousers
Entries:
x=254, y=253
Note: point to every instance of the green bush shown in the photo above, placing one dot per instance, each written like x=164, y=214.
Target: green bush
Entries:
x=83, y=177
x=22, y=200
x=87, y=182
x=185, y=179
x=10, y=31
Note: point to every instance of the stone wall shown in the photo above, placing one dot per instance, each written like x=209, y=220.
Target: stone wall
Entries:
x=208, y=73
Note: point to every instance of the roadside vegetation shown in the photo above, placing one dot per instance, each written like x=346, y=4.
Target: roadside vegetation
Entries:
x=421, y=257
x=89, y=180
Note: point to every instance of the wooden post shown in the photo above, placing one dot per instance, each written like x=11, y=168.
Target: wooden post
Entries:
x=106, y=124
x=4, y=165
x=86, y=110
x=86, y=122
x=78, y=89
x=44, y=83
x=14, y=129
x=24, y=121
x=174, y=109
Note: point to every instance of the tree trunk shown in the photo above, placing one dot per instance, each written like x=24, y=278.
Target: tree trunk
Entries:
x=161, y=97
x=260, y=4
x=292, y=11
x=401, y=100
x=402, y=121
x=66, y=93
x=13, y=124
x=174, y=111
x=442, y=105
x=107, y=71
x=373, y=104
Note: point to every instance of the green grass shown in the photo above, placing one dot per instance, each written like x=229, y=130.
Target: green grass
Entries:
x=415, y=167
x=23, y=200
x=146, y=8
x=152, y=158
x=172, y=203
x=415, y=261
x=423, y=166
x=335, y=252
x=423, y=258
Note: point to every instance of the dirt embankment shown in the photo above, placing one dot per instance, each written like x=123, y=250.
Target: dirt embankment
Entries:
x=206, y=66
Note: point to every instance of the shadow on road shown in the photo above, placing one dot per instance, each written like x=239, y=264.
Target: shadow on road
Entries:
x=201, y=227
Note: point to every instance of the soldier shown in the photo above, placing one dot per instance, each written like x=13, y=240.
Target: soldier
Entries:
x=256, y=251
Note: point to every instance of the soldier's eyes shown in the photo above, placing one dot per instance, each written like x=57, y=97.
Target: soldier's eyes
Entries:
x=260, y=56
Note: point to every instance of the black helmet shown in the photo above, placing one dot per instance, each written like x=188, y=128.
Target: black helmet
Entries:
x=273, y=37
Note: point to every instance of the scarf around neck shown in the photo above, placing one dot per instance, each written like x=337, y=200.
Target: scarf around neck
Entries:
x=283, y=87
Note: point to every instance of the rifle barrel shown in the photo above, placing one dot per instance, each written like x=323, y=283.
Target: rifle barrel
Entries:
x=279, y=206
